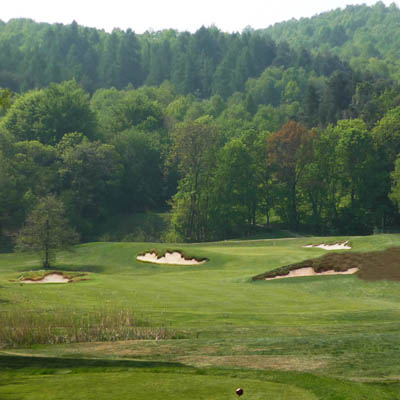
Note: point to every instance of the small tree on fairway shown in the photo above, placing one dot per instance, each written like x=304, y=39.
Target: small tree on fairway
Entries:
x=46, y=231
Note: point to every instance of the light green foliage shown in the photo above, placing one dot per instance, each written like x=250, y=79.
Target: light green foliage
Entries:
x=321, y=180
x=121, y=110
x=269, y=118
x=354, y=152
x=360, y=176
x=46, y=115
x=195, y=145
x=360, y=34
x=235, y=189
x=177, y=109
x=386, y=135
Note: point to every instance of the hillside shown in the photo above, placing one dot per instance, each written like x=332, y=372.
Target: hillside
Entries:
x=203, y=63
x=232, y=135
x=364, y=36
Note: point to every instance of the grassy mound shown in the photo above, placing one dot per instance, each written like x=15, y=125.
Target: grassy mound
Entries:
x=376, y=265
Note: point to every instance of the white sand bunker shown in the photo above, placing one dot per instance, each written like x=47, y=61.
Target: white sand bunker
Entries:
x=175, y=258
x=50, y=278
x=309, y=271
x=336, y=246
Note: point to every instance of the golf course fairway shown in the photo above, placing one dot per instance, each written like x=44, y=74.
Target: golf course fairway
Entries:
x=203, y=330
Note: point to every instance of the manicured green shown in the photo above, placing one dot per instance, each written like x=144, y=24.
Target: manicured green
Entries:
x=328, y=337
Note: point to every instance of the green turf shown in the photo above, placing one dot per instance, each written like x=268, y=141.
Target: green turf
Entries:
x=328, y=337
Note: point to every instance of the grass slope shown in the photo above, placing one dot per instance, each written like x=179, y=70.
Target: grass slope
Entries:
x=372, y=265
x=330, y=337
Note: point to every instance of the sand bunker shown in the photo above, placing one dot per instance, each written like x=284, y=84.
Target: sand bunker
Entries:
x=50, y=278
x=309, y=271
x=175, y=258
x=336, y=246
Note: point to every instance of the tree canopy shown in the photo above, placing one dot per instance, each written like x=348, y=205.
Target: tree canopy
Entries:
x=297, y=124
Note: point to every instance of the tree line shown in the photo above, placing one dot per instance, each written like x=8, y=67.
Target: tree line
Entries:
x=222, y=167
x=296, y=124
x=204, y=63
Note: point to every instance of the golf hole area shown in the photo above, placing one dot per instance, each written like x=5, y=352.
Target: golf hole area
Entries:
x=169, y=257
x=42, y=277
x=335, y=246
x=309, y=271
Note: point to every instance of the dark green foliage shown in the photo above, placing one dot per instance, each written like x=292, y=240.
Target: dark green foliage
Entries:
x=142, y=170
x=90, y=176
x=4, y=99
x=197, y=122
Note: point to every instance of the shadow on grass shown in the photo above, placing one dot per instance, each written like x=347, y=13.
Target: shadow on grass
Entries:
x=327, y=388
x=17, y=362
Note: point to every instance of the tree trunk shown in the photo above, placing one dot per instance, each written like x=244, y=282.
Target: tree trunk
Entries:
x=46, y=263
x=294, y=217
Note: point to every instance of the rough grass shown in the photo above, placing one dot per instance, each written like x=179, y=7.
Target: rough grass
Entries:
x=33, y=327
x=373, y=266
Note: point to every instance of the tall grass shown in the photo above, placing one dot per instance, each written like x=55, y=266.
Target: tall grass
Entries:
x=70, y=326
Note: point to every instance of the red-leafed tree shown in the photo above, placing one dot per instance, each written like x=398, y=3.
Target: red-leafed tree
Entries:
x=290, y=150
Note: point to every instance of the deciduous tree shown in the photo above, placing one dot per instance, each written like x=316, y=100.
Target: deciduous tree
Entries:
x=195, y=146
x=290, y=150
x=46, y=231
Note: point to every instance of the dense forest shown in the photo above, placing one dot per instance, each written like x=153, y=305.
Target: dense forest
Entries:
x=297, y=124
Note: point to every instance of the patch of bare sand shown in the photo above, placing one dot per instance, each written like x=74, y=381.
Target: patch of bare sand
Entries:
x=50, y=278
x=283, y=363
x=309, y=271
x=174, y=258
x=336, y=246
